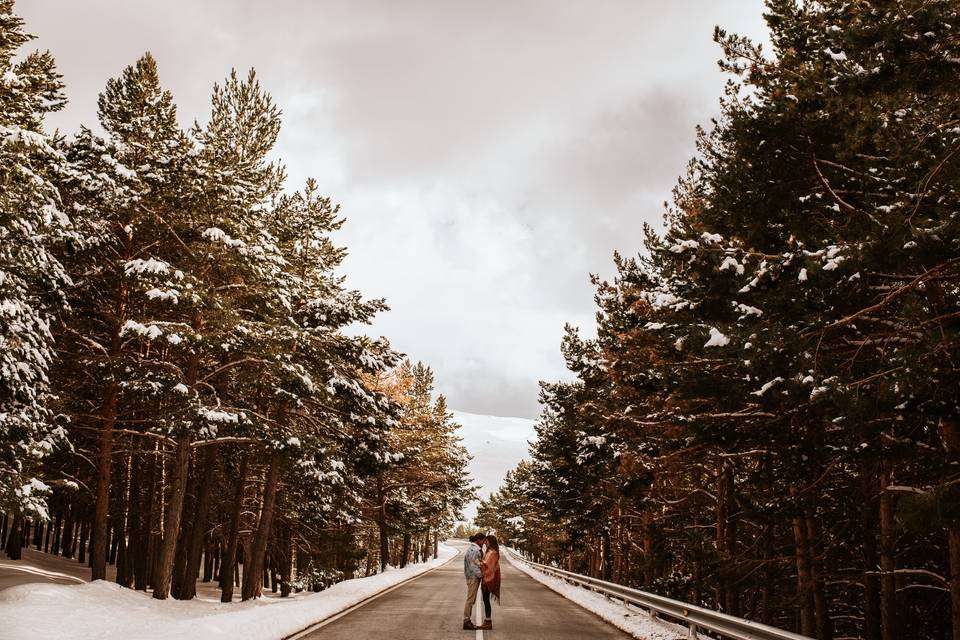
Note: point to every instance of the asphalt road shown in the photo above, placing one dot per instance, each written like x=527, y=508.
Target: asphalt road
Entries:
x=431, y=608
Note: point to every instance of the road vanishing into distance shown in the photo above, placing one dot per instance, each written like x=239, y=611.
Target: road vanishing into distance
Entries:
x=431, y=608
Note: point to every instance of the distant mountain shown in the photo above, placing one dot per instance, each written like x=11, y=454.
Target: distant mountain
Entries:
x=497, y=444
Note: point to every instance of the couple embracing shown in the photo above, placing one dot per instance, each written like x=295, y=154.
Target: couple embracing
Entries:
x=482, y=570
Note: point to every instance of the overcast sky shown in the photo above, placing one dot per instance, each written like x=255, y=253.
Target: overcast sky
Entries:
x=489, y=156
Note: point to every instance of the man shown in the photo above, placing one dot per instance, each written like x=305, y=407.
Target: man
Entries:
x=473, y=573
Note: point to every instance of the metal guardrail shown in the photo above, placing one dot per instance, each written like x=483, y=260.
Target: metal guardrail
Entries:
x=696, y=618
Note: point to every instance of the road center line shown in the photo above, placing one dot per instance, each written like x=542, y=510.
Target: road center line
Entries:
x=479, y=608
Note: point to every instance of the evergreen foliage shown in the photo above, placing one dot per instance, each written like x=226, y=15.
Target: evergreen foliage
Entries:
x=216, y=411
x=766, y=422
x=34, y=229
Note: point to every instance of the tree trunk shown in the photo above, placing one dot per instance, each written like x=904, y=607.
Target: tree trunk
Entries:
x=46, y=537
x=186, y=528
x=824, y=625
x=950, y=434
x=251, y=579
x=720, y=536
x=199, y=528
x=124, y=559
x=607, y=554
x=13, y=548
x=871, y=582
x=112, y=545
x=267, y=571
x=57, y=532
x=732, y=604
x=38, y=535
x=25, y=536
x=194, y=480
x=286, y=566
x=82, y=550
x=171, y=525
x=768, y=587
x=178, y=486
x=381, y=519
x=697, y=587
x=229, y=561
x=140, y=492
x=101, y=511
x=953, y=539
x=888, y=563
x=210, y=555
x=804, y=576
x=68, y=532
x=648, y=549
x=274, y=569
x=405, y=553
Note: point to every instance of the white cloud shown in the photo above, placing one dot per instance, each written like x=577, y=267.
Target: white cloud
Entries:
x=487, y=157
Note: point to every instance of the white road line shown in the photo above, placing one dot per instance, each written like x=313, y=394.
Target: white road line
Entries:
x=479, y=607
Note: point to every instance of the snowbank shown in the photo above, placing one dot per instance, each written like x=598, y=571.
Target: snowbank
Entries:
x=104, y=610
x=637, y=623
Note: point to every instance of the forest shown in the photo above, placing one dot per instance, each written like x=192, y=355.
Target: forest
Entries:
x=764, y=419
x=183, y=390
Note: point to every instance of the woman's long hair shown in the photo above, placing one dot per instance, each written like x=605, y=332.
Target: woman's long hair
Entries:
x=493, y=544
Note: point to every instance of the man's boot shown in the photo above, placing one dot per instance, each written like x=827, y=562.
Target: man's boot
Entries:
x=487, y=625
x=469, y=626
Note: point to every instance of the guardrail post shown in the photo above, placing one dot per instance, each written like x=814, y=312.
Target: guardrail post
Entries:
x=692, y=635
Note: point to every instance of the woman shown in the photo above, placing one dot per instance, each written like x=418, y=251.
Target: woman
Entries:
x=491, y=579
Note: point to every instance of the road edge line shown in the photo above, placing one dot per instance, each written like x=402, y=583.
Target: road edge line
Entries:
x=325, y=621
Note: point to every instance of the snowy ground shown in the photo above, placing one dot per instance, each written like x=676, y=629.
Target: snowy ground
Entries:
x=36, y=566
x=634, y=621
x=104, y=610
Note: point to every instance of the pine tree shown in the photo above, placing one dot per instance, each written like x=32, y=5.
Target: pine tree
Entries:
x=122, y=188
x=420, y=481
x=779, y=360
x=205, y=362
x=33, y=228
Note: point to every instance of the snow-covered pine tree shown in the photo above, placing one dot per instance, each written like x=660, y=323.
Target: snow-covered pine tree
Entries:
x=451, y=487
x=518, y=516
x=205, y=336
x=124, y=189
x=343, y=369
x=847, y=312
x=782, y=356
x=419, y=481
x=32, y=225
x=221, y=240
x=570, y=454
x=427, y=487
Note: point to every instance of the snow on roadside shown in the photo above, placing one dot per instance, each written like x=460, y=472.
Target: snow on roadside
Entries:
x=104, y=610
x=634, y=621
